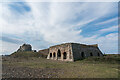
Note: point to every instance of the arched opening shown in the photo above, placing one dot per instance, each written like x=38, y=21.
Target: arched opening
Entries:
x=70, y=56
x=59, y=53
x=82, y=54
x=50, y=55
x=54, y=55
x=64, y=55
x=98, y=54
x=91, y=54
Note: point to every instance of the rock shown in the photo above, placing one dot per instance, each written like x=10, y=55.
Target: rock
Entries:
x=25, y=47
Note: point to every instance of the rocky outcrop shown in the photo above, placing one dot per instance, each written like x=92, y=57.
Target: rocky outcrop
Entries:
x=25, y=47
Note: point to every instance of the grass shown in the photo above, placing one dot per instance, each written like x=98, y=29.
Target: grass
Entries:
x=93, y=67
x=27, y=54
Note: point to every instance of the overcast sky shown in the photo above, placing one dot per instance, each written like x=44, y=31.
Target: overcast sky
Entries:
x=43, y=24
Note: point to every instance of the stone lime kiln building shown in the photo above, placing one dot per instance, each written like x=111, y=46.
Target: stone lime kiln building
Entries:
x=73, y=51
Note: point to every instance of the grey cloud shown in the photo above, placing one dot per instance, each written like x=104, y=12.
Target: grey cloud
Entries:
x=11, y=40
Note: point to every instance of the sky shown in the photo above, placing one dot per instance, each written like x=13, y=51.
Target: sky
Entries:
x=44, y=24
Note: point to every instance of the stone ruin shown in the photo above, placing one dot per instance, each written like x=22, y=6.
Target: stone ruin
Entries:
x=73, y=51
x=66, y=51
x=25, y=47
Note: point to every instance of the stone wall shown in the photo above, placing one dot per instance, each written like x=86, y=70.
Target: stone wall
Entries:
x=73, y=51
x=61, y=52
x=44, y=51
x=82, y=51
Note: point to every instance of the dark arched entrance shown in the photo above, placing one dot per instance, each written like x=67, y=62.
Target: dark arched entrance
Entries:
x=54, y=55
x=82, y=54
x=98, y=54
x=59, y=54
x=50, y=55
x=64, y=55
x=91, y=54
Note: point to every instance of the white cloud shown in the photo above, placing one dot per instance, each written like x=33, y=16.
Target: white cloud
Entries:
x=8, y=48
x=113, y=28
x=53, y=22
x=108, y=21
x=61, y=1
x=81, y=23
x=109, y=43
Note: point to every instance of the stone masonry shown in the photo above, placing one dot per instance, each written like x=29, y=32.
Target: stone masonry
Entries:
x=73, y=51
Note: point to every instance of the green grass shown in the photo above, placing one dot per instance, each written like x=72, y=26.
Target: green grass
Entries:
x=27, y=54
x=94, y=67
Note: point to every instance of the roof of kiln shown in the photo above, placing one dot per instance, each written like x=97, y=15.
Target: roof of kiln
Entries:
x=94, y=45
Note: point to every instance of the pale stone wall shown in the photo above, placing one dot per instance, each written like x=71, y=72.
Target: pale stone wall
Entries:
x=63, y=48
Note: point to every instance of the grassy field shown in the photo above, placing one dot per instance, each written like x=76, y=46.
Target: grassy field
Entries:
x=94, y=67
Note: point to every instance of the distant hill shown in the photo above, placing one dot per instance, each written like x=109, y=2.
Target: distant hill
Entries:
x=26, y=54
x=25, y=51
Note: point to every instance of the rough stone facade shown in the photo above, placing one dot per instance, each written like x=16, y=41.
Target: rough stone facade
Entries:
x=73, y=51
x=44, y=52
x=25, y=47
